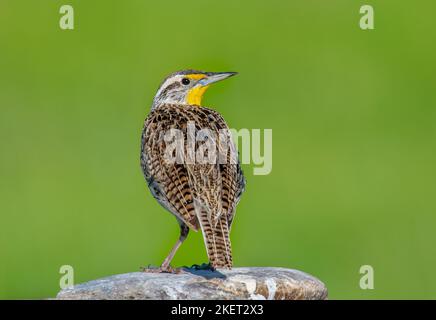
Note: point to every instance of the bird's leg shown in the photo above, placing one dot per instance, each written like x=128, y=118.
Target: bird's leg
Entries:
x=165, y=266
x=184, y=230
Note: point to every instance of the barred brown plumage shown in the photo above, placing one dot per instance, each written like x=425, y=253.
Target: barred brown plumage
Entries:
x=200, y=195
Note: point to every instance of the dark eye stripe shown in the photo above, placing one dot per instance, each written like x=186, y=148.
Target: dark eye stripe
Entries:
x=172, y=86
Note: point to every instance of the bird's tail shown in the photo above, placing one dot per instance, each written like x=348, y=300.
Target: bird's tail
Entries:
x=217, y=240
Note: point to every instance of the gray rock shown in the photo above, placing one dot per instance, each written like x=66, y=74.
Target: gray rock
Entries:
x=238, y=283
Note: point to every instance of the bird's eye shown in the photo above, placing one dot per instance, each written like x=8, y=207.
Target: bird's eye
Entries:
x=186, y=81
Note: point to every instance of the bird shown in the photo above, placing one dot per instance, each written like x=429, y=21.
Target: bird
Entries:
x=201, y=196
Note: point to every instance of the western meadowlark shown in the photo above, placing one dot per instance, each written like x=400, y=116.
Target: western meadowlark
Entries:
x=200, y=195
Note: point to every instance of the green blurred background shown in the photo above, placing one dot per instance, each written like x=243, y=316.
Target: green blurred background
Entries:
x=354, y=128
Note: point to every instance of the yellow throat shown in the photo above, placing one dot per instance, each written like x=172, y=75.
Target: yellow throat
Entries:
x=195, y=95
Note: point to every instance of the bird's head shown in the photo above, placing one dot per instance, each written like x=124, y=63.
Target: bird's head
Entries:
x=187, y=87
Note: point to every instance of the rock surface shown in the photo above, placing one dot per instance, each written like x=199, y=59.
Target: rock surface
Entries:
x=238, y=283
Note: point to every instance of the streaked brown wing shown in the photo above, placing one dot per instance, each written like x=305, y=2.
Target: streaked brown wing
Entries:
x=233, y=180
x=171, y=184
x=167, y=182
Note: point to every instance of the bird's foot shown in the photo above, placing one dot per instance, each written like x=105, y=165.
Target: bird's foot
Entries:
x=162, y=269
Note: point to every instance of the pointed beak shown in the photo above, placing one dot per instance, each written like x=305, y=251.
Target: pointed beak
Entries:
x=213, y=77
